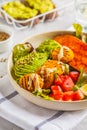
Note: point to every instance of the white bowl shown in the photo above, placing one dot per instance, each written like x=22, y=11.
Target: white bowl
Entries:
x=55, y=105
x=6, y=44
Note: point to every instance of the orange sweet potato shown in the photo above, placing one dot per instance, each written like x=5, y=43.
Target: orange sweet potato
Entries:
x=78, y=47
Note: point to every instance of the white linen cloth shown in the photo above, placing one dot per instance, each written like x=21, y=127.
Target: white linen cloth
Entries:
x=29, y=116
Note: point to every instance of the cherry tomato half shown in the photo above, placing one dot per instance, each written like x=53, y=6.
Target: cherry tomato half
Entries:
x=74, y=75
x=78, y=95
x=68, y=84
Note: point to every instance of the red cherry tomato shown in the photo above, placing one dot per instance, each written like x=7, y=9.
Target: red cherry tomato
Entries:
x=63, y=77
x=56, y=89
x=58, y=81
x=68, y=84
x=67, y=96
x=78, y=95
x=58, y=96
x=57, y=92
x=74, y=75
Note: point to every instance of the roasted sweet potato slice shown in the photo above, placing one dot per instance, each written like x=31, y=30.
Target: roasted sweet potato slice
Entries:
x=78, y=47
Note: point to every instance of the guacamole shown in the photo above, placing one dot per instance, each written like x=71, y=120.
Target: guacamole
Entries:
x=41, y=5
x=19, y=11
x=48, y=46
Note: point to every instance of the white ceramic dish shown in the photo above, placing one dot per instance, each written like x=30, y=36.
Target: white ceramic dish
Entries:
x=56, y=105
x=6, y=45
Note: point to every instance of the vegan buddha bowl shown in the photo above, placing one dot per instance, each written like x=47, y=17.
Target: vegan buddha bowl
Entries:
x=47, y=70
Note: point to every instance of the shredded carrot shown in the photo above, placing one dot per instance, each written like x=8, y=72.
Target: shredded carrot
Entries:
x=78, y=47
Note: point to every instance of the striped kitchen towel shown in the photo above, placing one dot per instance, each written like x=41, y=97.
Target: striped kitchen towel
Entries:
x=29, y=116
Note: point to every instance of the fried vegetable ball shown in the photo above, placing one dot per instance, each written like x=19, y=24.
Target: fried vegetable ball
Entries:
x=48, y=76
x=60, y=67
x=31, y=82
x=49, y=70
x=63, y=54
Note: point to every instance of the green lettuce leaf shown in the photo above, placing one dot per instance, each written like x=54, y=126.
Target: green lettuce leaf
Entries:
x=82, y=78
x=78, y=29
